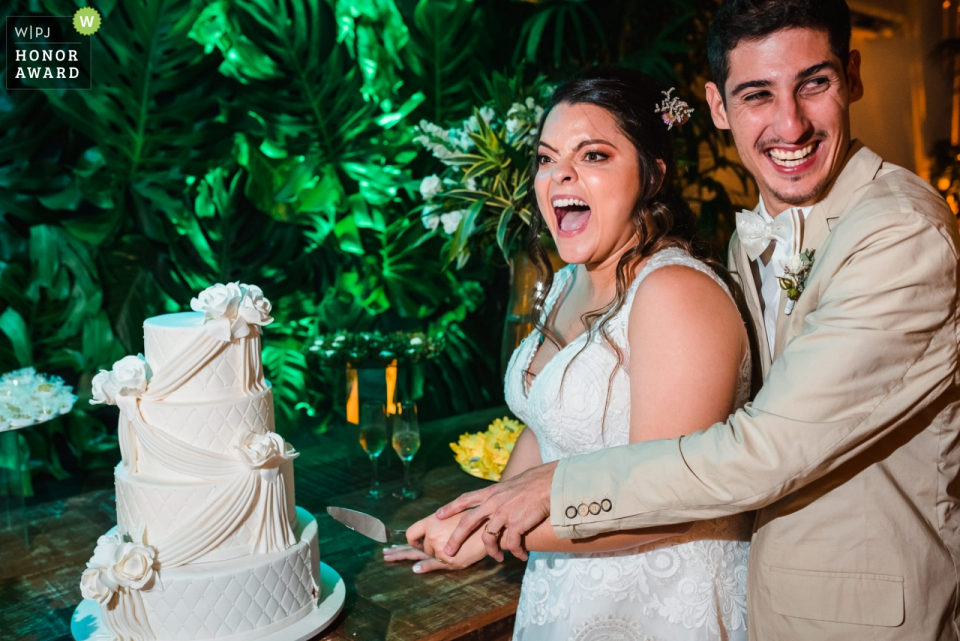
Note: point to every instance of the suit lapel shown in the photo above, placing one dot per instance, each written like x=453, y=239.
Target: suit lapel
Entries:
x=859, y=167
x=782, y=320
x=751, y=290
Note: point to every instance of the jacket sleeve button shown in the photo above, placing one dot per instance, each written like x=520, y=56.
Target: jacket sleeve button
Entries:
x=606, y=505
x=583, y=510
x=571, y=512
x=594, y=508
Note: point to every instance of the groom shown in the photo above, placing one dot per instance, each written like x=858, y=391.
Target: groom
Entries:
x=851, y=449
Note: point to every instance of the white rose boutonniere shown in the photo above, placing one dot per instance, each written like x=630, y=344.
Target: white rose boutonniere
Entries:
x=794, y=279
x=128, y=377
x=264, y=452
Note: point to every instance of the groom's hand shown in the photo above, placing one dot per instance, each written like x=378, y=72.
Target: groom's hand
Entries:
x=510, y=508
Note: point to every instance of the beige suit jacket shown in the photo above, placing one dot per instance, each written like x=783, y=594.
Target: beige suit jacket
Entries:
x=850, y=450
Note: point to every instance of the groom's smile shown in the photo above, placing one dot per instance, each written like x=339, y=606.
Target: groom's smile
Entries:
x=787, y=102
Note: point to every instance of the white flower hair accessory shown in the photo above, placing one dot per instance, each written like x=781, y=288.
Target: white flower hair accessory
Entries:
x=673, y=110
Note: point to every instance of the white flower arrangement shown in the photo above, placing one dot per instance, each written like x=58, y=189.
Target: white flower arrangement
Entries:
x=430, y=186
x=119, y=561
x=230, y=310
x=27, y=398
x=487, y=172
x=451, y=220
x=519, y=126
x=128, y=377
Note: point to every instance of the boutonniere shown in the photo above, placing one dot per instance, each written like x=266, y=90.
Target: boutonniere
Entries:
x=794, y=279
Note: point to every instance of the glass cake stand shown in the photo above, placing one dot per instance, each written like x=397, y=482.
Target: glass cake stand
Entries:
x=26, y=399
x=12, y=468
x=14, y=465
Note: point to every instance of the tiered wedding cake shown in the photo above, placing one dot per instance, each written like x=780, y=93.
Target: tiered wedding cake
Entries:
x=208, y=543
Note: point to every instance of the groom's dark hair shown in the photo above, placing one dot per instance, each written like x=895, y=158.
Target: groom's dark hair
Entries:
x=739, y=20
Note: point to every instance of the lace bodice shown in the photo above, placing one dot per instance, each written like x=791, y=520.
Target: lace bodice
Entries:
x=691, y=587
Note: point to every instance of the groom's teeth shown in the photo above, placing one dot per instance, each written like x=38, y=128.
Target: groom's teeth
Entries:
x=786, y=158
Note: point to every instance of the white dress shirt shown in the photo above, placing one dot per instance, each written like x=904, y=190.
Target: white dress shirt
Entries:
x=769, y=273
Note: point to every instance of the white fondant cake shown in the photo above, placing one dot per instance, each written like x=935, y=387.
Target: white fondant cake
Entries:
x=209, y=543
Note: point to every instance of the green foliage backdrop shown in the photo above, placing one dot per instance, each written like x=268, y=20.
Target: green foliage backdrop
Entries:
x=271, y=142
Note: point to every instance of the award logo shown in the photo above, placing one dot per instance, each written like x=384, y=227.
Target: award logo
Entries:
x=86, y=21
x=51, y=52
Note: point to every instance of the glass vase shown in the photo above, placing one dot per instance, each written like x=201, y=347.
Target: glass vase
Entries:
x=370, y=381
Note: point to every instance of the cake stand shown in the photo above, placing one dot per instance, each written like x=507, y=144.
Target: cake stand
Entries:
x=46, y=398
x=11, y=480
x=85, y=623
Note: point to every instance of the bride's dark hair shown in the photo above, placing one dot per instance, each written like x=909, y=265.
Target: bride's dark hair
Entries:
x=661, y=218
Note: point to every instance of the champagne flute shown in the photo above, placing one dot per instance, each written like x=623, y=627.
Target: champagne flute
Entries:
x=373, y=438
x=406, y=442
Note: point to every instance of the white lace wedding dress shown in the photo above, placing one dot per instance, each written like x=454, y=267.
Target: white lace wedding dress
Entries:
x=687, y=588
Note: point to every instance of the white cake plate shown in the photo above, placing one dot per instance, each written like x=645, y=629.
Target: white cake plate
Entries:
x=85, y=624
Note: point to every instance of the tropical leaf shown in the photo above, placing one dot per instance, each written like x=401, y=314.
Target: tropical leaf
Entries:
x=441, y=55
x=27, y=125
x=15, y=329
x=316, y=105
x=286, y=369
x=655, y=57
x=374, y=33
x=154, y=114
x=562, y=12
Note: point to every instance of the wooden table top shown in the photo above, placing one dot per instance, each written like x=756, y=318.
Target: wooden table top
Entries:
x=39, y=585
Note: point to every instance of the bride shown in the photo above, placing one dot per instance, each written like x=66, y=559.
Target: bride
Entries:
x=637, y=340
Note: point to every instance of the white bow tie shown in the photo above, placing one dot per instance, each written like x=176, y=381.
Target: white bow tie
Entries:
x=756, y=233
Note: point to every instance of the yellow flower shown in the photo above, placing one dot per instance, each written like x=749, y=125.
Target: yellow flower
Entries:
x=485, y=454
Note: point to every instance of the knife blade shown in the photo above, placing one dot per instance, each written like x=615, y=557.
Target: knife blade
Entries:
x=369, y=526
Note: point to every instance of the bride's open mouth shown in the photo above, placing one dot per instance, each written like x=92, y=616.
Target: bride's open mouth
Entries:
x=572, y=212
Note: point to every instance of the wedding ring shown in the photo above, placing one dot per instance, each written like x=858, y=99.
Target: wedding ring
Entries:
x=441, y=560
x=493, y=534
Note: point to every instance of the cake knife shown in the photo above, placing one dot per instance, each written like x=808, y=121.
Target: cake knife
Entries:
x=367, y=525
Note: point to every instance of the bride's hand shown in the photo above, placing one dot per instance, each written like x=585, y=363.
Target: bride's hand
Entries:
x=396, y=553
x=426, y=539
x=425, y=562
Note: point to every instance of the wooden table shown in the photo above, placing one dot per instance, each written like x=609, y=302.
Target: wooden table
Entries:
x=39, y=585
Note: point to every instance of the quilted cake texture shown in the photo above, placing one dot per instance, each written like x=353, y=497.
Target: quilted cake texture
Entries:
x=238, y=600
x=165, y=507
x=165, y=336
x=212, y=426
